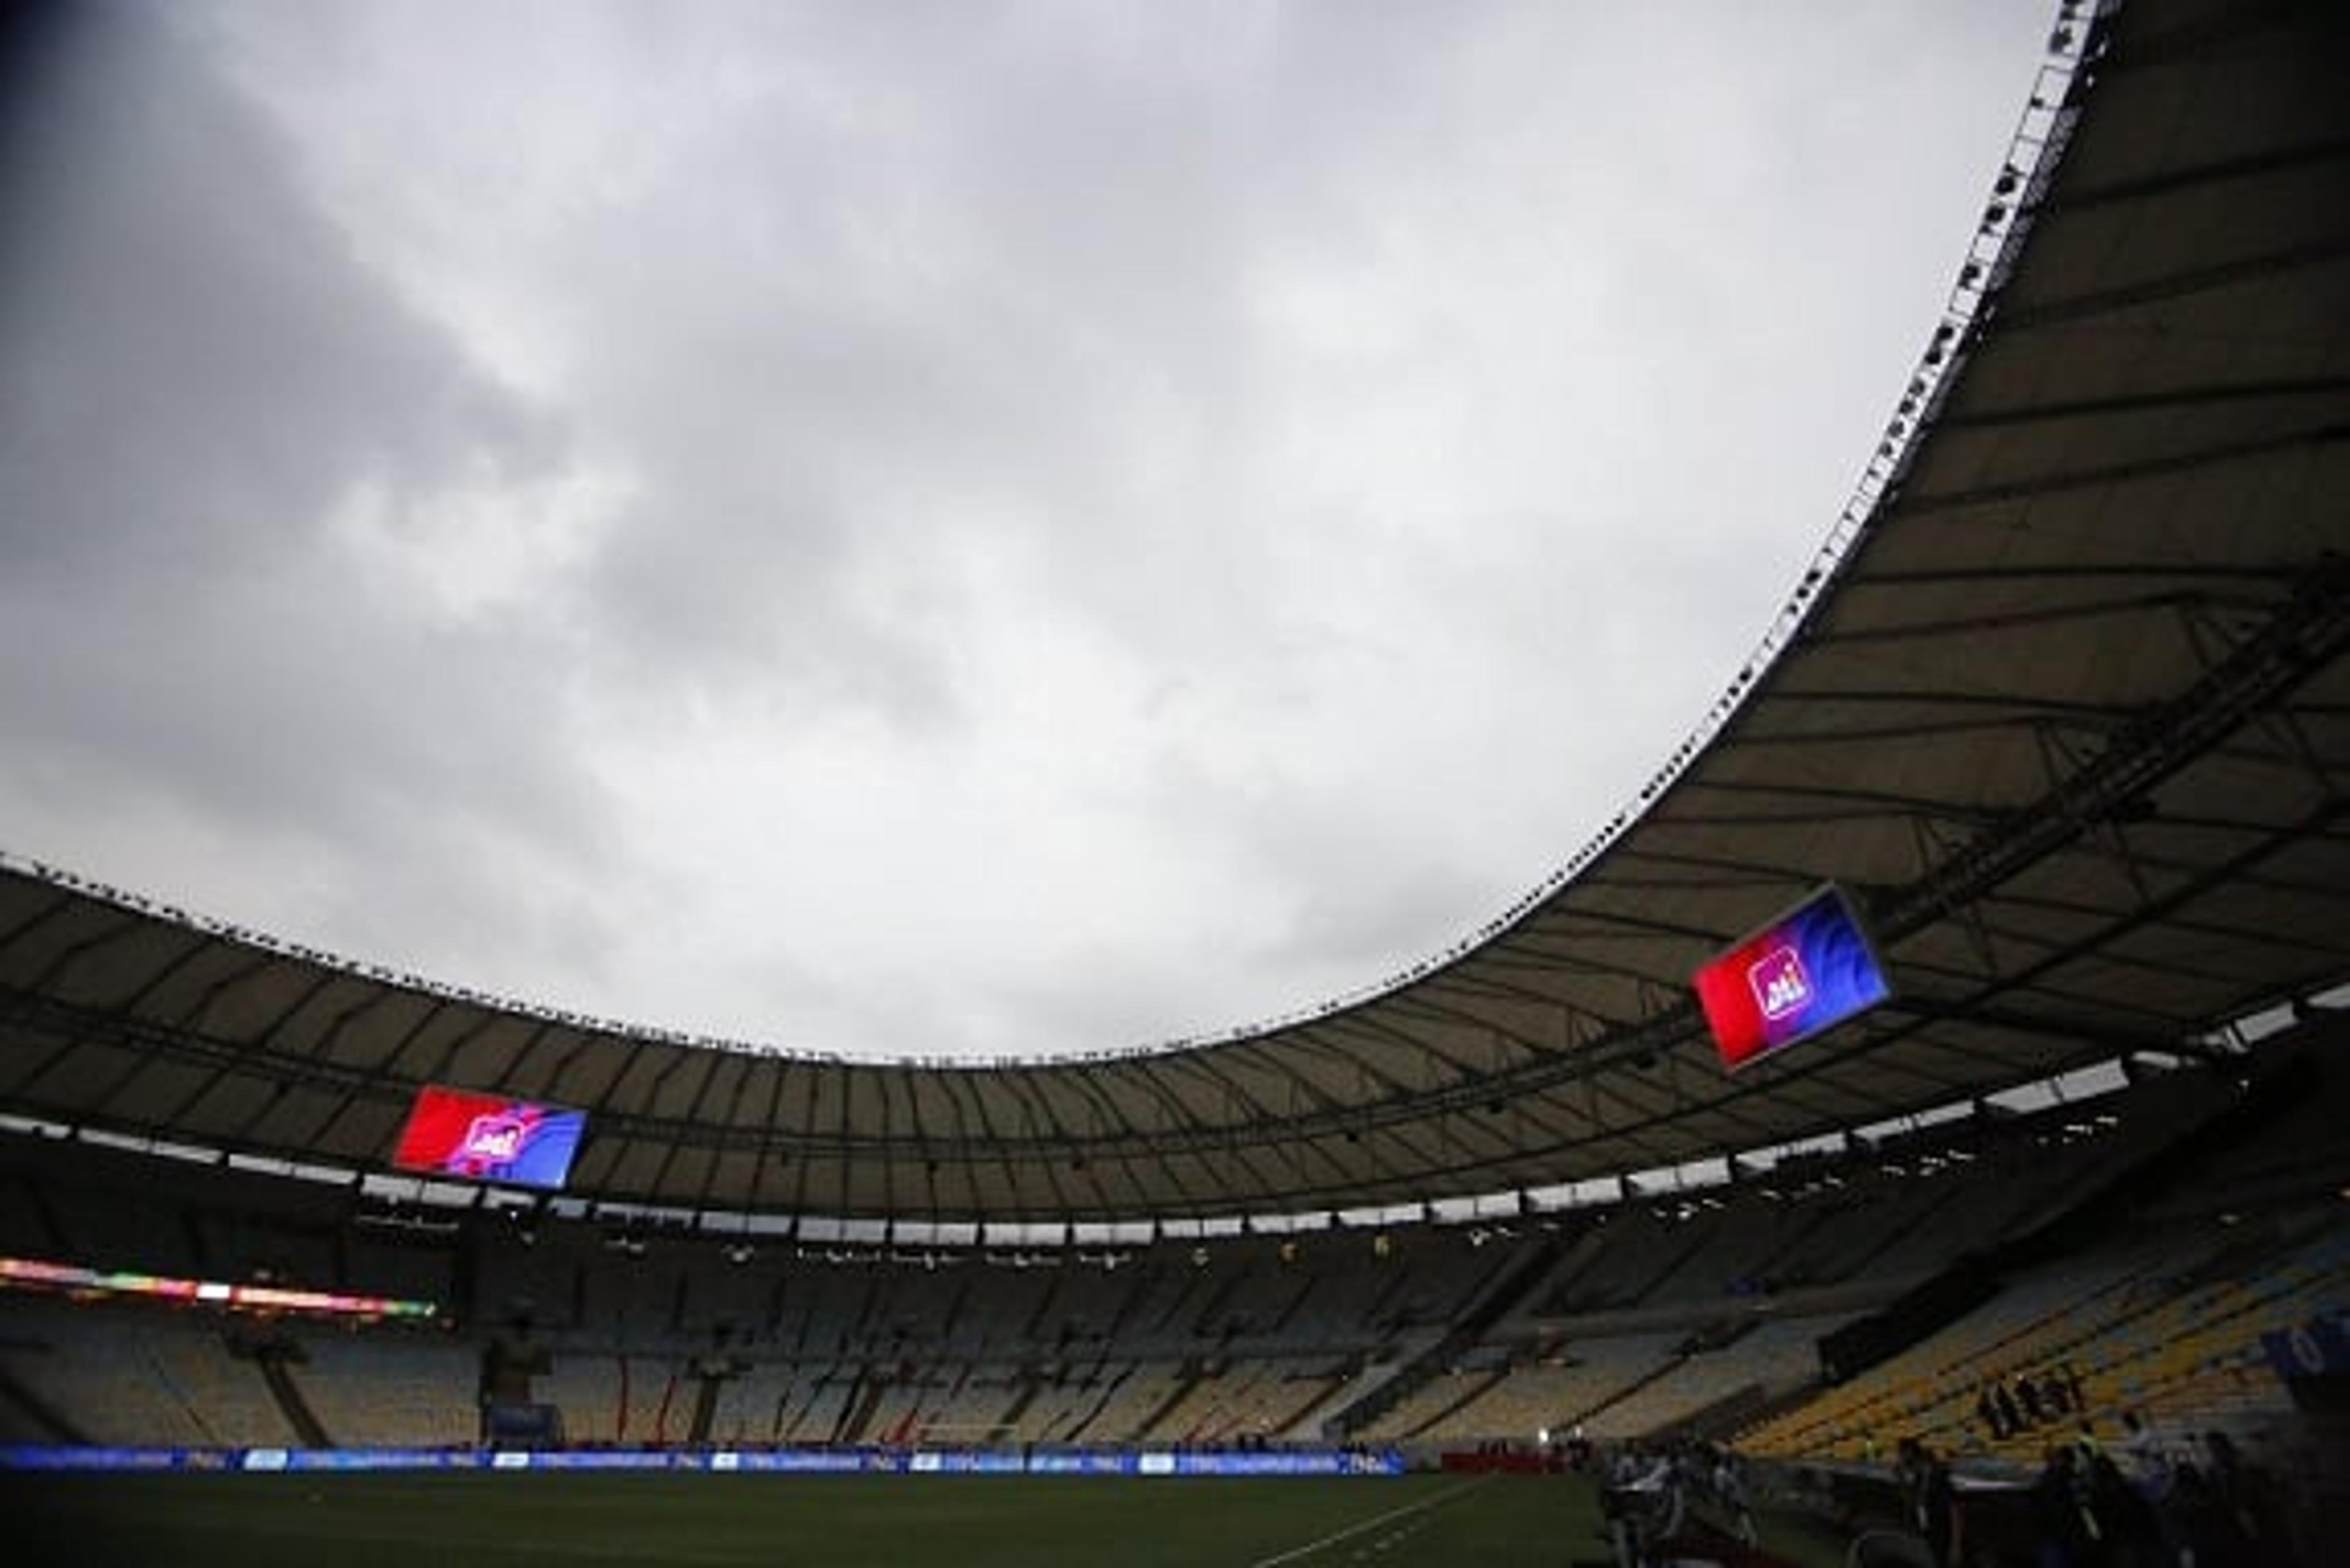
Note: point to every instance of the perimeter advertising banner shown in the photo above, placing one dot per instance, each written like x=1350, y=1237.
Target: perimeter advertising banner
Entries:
x=72, y=1278
x=488, y=1137
x=1807, y=971
x=804, y=1461
x=2317, y=1349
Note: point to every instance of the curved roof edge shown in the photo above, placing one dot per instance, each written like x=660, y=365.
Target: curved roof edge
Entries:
x=2034, y=150
x=2067, y=707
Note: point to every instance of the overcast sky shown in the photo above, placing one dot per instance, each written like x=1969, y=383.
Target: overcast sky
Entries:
x=929, y=527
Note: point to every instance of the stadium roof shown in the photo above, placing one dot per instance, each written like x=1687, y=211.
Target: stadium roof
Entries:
x=2065, y=702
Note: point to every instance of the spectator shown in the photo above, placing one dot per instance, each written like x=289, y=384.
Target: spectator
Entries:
x=2065, y=1524
x=1730, y=1489
x=2027, y=1393
x=2248, y=1501
x=1932, y=1503
x=2149, y=1466
x=2126, y=1523
x=2207, y=1534
x=2151, y=1474
x=1643, y=1505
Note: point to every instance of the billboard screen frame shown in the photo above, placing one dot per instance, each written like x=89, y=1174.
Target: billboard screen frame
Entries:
x=1853, y=940
x=442, y=1121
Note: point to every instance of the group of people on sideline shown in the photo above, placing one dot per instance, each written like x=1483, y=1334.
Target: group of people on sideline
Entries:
x=1648, y=1492
x=2146, y=1503
x=2159, y=1503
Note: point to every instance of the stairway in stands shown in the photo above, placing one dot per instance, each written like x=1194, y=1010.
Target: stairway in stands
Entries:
x=1413, y=1370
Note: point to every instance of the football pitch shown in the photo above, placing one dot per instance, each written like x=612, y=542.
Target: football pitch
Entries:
x=440, y=1520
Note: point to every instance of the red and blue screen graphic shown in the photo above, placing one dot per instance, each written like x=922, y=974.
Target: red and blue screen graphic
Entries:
x=488, y=1137
x=1809, y=969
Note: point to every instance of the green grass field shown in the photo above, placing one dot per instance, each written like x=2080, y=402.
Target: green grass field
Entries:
x=485, y=1521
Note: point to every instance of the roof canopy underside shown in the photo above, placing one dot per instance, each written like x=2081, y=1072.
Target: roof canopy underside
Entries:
x=2072, y=718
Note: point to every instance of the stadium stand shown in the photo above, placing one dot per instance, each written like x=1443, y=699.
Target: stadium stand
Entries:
x=404, y=1389
x=1624, y=1323
x=1647, y=1314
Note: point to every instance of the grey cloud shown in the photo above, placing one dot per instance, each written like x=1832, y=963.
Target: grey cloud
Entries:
x=1408, y=410
x=196, y=363
x=198, y=373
